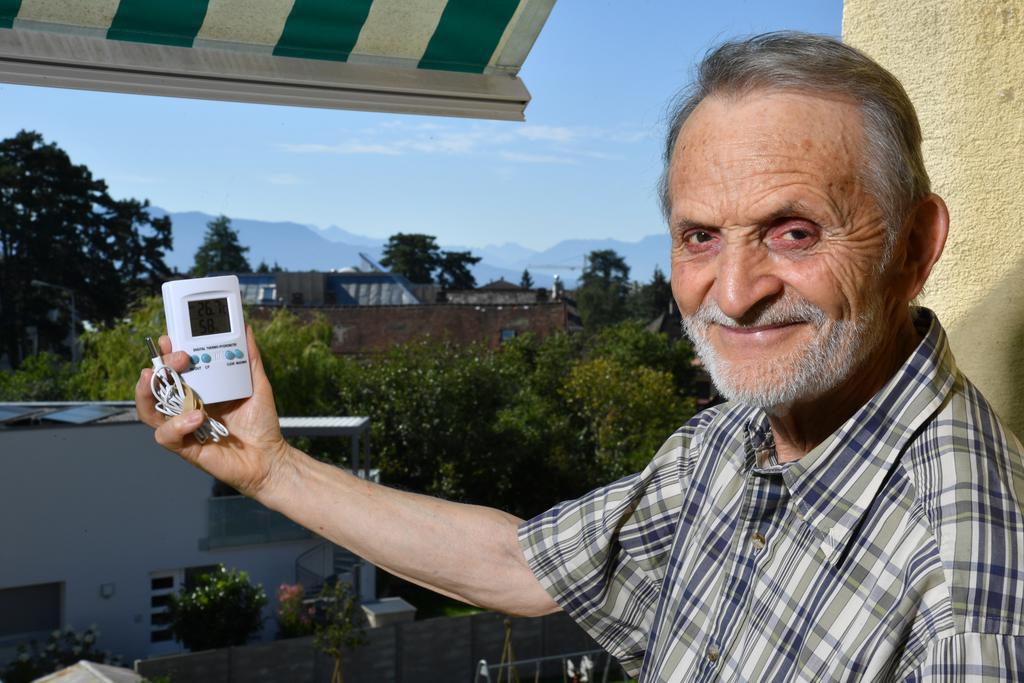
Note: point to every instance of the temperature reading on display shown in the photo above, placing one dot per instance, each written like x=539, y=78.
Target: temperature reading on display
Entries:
x=209, y=316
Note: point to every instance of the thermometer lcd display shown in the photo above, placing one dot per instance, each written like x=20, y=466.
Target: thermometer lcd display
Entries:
x=209, y=316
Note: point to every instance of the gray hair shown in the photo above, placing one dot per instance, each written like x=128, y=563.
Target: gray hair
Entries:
x=893, y=172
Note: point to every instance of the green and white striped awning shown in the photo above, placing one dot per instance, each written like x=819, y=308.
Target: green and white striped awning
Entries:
x=444, y=57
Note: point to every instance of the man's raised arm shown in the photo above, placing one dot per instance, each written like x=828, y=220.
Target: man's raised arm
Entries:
x=467, y=552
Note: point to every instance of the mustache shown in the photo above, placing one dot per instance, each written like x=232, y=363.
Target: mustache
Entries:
x=779, y=312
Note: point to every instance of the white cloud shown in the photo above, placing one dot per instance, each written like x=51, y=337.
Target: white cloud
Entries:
x=549, y=133
x=343, y=148
x=526, y=158
x=406, y=125
x=628, y=136
x=603, y=156
x=447, y=143
x=546, y=144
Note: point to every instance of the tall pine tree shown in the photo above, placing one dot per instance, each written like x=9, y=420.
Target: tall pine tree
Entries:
x=526, y=281
x=453, y=270
x=220, y=251
x=413, y=255
x=603, y=289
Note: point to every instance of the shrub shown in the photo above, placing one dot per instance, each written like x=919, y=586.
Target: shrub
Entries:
x=294, y=619
x=222, y=609
x=43, y=377
x=63, y=648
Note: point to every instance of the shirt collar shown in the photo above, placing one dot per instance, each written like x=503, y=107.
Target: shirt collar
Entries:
x=835, y=484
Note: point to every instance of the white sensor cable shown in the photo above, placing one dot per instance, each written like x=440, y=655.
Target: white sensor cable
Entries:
x=174, y=397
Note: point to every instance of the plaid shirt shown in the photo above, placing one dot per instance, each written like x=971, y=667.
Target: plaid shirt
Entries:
x=892, y=551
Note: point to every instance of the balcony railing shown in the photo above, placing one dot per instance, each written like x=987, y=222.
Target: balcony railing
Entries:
x=237, y=520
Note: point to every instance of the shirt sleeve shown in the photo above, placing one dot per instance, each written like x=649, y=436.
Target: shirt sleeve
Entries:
x=972, y=658
x=602, y=557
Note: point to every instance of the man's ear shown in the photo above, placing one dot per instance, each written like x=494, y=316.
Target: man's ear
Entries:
x=924, y=237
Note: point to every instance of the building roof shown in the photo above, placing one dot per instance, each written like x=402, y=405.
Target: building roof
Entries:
x=502, y=284
x=53, y=413
x=79, y=413
x=91, y=672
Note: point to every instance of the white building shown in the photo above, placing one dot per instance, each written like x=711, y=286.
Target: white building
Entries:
x=98, y=525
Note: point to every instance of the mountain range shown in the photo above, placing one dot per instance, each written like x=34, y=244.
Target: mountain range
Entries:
x=295, y=246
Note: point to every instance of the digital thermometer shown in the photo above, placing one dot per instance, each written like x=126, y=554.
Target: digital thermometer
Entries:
x=204, y=319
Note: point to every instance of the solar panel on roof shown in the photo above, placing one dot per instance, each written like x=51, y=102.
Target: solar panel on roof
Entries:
x=80, y=415
x=14, y=413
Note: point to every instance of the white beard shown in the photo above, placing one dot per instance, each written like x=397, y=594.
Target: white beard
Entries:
x=837, y=348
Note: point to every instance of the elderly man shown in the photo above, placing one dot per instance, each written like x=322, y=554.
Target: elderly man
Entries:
x=853, y=513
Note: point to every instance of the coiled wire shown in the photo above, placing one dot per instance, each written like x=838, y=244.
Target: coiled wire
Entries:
x=172, y=393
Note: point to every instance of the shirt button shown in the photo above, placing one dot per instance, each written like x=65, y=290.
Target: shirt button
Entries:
x=713, y=653
x=758, y=541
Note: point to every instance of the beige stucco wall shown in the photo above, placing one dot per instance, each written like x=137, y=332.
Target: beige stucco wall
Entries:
x=962, y=62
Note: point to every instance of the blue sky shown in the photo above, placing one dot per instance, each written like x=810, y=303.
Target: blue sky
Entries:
x=584, y=164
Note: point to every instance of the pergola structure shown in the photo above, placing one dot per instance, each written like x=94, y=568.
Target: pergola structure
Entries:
x=355, y=428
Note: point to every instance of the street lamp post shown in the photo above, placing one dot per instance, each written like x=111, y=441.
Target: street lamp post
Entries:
x=74, y=316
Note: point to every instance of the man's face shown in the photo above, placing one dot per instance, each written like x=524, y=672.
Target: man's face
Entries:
x=776, y=245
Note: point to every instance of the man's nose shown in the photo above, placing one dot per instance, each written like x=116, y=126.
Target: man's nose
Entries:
x=745, y=278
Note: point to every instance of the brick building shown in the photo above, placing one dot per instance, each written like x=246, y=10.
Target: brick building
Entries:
x=373, y=329
x=371, y=312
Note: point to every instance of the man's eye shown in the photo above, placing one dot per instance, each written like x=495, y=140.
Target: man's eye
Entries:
x=699, y=237
x=795, y=235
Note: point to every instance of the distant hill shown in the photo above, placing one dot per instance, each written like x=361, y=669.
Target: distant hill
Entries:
x=295, y=246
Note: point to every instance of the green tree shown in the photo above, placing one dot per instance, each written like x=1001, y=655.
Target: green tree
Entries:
x=453, y=270
x=627, y=413
x=113, y=354
x=222, y=609
x=339, y=624
x=526, y=281
x=414, y=255
x=220, y=251
x=43, y=377
x=264, y=268
x=297, y=356
x=59, y=225
x=417, y=257
x=432, y=406
x=602, y=291
x=649, y=301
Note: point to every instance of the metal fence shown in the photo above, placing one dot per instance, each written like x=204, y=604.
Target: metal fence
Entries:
x=586, y=667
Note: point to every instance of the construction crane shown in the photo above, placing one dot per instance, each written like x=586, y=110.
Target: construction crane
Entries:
x=544, y=266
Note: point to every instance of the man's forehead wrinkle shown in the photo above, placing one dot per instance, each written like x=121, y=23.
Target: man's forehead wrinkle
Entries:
x=728, y=202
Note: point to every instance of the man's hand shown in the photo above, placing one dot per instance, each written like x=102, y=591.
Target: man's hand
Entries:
x=254, y=452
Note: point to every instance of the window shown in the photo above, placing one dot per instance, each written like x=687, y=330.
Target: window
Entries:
x=30, y=612
x=507, y=334
x=161, y=587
